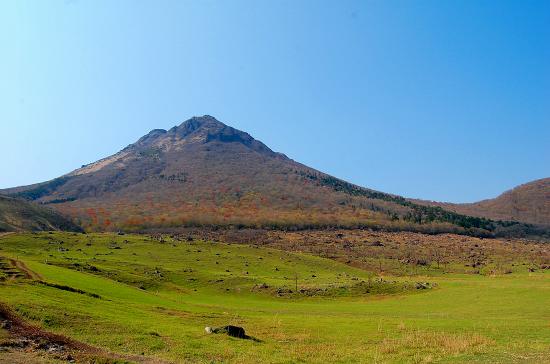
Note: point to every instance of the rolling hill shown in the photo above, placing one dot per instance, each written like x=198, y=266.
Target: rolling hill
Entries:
x=19, y=215
x=205, y=173
x=528, y=203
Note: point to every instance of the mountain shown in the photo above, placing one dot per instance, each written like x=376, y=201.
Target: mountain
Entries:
x=19, y=215
x=204, y=172
x=528, y=203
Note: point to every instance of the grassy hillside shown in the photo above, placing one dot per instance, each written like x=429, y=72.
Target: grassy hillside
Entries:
x=152, y=297
x=20, y=215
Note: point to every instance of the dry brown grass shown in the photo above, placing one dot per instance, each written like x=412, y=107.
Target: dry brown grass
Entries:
x=425, y=347
x=448, y=344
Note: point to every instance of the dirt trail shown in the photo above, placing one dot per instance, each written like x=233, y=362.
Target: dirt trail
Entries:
x=26, y=338
x=15, y=269
x=29, y=274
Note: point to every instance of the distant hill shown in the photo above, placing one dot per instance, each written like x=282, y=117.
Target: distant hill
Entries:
x=528, y=203
x=18, y=215
x=205, y=173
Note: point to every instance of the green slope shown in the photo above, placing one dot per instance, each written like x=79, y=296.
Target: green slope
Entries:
x=139, y=295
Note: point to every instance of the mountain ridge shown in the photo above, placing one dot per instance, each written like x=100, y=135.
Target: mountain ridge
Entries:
x=204, y=172
x=20, y=215
x=528, y=203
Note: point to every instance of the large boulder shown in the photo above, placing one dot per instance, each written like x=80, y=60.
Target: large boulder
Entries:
x=234, y=331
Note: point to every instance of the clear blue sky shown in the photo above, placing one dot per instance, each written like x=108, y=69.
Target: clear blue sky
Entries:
x=443, y=100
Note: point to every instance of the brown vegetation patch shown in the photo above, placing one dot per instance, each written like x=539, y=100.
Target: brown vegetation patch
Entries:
x=396, y=253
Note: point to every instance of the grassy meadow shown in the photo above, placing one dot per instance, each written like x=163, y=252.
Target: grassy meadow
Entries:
x=152, y=297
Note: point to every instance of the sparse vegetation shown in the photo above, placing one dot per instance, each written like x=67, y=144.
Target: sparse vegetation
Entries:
x=400, y=253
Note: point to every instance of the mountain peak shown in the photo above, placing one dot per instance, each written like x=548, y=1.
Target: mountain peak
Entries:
x=208, y=129
x=197, y=123
x=205, y=121
x=200, y=130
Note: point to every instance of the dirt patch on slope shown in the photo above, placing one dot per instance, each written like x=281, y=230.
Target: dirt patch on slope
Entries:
x=29, y=274
x=29, y=342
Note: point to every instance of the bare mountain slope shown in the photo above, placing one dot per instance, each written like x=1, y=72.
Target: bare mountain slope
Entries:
x=204, y=172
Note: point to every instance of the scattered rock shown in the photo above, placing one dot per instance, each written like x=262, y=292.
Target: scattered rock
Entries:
x=16, y=344
x=421, y=262
x=54, y=348
x=233, y=331
x=423, y=285
x=283, y=291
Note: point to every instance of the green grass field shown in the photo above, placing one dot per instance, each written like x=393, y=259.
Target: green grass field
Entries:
x=137, y=295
